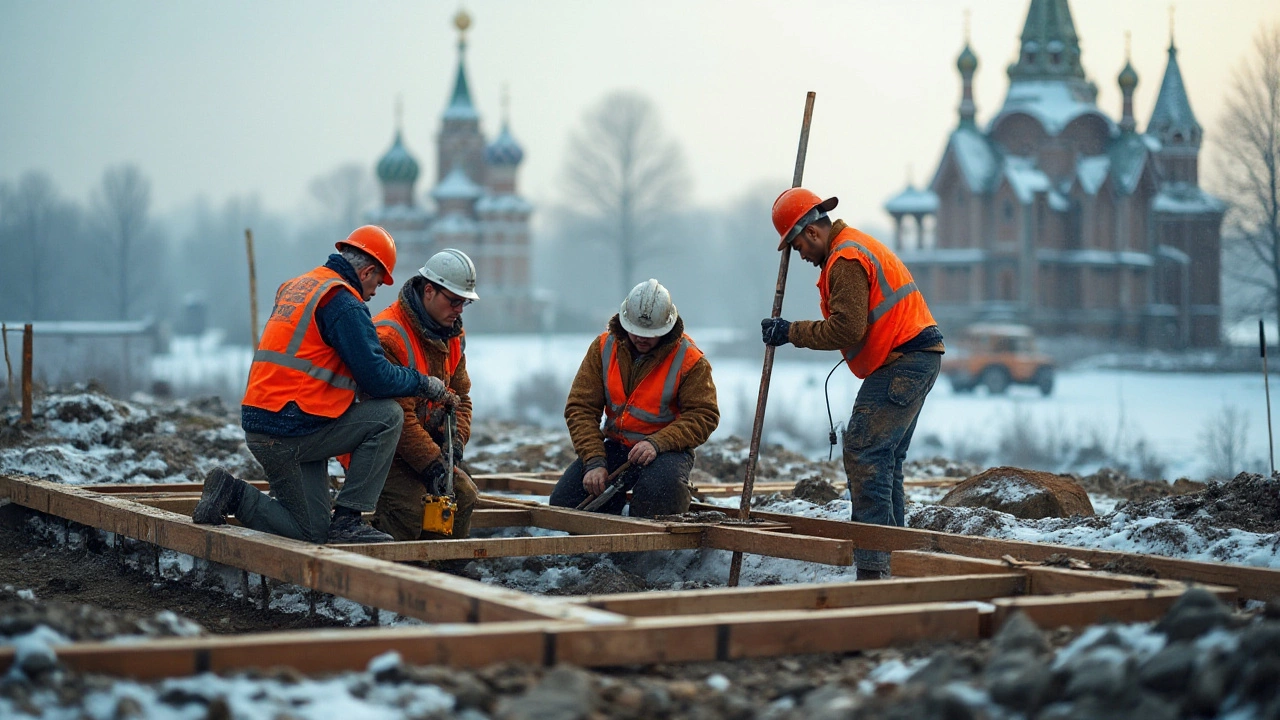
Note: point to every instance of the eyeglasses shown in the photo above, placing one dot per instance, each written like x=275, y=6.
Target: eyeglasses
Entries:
x=455, y=302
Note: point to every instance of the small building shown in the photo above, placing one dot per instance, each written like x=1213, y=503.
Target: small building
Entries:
x=474, y=206
x=1059, y=217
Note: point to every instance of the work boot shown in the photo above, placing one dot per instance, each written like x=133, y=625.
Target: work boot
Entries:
x=221, y=497
x=865, y=574
x=349, y=527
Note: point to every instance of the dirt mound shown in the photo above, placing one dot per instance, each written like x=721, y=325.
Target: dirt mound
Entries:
x=1248, y=502
x=1029, y=494
x=1115, y=483
x=939, y=467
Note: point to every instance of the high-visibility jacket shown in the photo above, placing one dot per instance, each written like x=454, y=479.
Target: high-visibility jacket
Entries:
x=896, y=311
x=393, y=325
x=653, y=404
x=292, y=362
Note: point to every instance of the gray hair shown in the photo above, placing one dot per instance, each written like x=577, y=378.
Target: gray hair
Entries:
x=358, y=258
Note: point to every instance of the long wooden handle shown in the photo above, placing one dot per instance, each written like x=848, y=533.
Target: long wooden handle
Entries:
x=253, y=287
x=608, y=481
x=757, y=429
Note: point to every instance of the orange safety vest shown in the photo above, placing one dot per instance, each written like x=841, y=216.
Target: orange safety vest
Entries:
x=652, y=405
x=896, y=309
x=292, y=362
x=393, y=324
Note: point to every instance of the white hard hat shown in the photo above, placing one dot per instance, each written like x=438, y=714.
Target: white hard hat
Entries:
x=648, y=310
x=452, y=270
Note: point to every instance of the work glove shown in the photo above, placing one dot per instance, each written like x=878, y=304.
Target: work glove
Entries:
x=775, y=331
x=433, y=476
x=434, y=389
x=457, y=448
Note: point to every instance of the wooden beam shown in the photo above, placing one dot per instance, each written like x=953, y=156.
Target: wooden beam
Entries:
x=410, y=591
x=1253, y=583
x=134, y=488
x=774, y=544
x=1078, y=610
x=811, y=596
x=466, y=549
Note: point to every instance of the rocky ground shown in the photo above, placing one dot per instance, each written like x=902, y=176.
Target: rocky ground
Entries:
x=61, y=582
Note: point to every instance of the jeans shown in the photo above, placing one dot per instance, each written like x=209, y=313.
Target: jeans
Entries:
x=876, y=440
x=661, y=487
x=297, y=469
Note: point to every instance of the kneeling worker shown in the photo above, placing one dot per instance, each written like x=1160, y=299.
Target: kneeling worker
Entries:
x=654, y=389
x=422, y=330
x=318, y=349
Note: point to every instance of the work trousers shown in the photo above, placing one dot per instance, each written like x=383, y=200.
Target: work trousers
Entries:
x=661, y=487
x=297, y=469
x=876, y=440
x=404, y=496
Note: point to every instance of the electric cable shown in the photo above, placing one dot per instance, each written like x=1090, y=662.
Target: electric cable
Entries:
x=826, y=395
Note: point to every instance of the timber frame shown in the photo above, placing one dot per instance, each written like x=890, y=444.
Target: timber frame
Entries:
x=946, y=587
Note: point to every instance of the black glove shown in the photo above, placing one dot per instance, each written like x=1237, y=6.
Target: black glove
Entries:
x=457, y=448
x=433, y=476
x=775, y=331
x=431, y=388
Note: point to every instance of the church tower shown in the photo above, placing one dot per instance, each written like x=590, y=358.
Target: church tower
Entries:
x=460, y=143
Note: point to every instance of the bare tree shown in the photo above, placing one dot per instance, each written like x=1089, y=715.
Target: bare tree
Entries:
x=1225, y=440
x=1250, y=168
x=122, y=203
x=32, y=222
x=623, y=170
x=343, y=194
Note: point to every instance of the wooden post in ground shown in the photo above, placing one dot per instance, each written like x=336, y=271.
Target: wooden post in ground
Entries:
x=253, y=288
x=26, y=373
x=744, y=508
x=8, y=366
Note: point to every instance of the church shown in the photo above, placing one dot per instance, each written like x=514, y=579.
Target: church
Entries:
x=473, y=206
x=1059, y=217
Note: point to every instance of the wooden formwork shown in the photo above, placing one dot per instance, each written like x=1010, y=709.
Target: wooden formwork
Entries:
x=946, y=587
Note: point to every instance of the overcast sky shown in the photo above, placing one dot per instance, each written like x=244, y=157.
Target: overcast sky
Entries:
x=238, y=96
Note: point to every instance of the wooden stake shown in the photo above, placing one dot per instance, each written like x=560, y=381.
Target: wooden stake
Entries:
x=744, y=509
x=253, y=287
x=1266, y=384
x=8, y=366
x=26, y=373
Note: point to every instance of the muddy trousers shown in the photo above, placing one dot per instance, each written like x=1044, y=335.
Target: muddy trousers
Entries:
x=876, y=440
x=661, y=487
x=297, y=469
x=403, y=498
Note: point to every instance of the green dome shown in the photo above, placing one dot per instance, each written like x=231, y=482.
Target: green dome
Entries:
x=967, y=63
x=1128, y=78
x=398, y=165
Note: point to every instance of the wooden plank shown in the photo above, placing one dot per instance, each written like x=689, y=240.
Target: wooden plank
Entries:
x=514, y=484
x=811, y=596
x=915, y=563
x=1078, y=610
x=308, y=651
x=525, y=546
x=489, y=518
x=730, y=636
x=131, y=488
x=773, y=544
x=410, y=591
x=1253, y=583
x=580, y=522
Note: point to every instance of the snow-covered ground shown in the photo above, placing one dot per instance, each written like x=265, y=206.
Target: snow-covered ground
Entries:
x=1154, y=422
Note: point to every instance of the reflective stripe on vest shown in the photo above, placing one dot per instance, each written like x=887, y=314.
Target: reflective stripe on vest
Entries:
x=621, y=411
x=396, y=317
x=411, y=359
x=292, y=362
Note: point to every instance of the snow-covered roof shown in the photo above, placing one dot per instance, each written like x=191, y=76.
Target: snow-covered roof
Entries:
x=454, y=224
x=977, y=159
x=1055, y=103
x=1058, y=202
x=1095, y=256
x=504, y=150
x=1092, y=172
x=912, y=202
x=460, y=106
x=1128, y=155
x=457, y=186
x=505, y=203
x=1025, y=178
x=1172, y=110
x=1181, y=198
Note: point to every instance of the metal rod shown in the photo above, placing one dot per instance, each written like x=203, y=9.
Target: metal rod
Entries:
x=26, y=373
x=1266, y=384
x=253, y=288
x=757, y=429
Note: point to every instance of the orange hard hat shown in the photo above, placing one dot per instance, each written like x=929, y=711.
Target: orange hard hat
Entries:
x=796, y=209
x=378, y=243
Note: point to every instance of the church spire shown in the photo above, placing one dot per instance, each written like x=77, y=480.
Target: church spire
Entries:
x=1172, y=120
x=967, y=64
x=1050, y=47
x=1128, y=80
x=460, y=106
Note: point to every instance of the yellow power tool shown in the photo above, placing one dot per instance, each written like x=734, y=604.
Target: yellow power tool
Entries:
x=439, y=512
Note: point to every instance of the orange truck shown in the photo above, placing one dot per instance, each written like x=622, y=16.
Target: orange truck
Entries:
x=996, y=355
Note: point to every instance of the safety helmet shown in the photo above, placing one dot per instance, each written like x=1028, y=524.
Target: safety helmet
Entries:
x=648, y=310
x=452, y=270
x=378, y=243
x=796, y=209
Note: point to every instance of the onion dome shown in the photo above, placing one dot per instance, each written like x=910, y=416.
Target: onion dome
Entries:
x=1128, y=78
x=397, y=165
x=967, y=63
x=504, y=150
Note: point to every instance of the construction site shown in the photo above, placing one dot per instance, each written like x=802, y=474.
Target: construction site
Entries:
x=350, y=461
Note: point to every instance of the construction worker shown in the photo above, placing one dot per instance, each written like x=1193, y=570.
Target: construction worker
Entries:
x=653, y=386
x=318, y=349
x=877, y=318
x=422, y=330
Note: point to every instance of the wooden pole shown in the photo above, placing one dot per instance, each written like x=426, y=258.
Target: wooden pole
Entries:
x=26, y=373
x=253, y=288
x=1266, y=384
x=8, y=366
x=744, y=508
